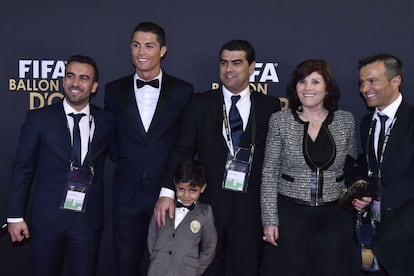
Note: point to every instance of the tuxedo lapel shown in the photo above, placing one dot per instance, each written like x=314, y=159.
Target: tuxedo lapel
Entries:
x=163, y=100
x=129, y=104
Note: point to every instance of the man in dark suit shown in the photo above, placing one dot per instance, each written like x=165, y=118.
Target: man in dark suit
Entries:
x=148, y=106
x=390, y=160
x=209, y=132
x=67, y=163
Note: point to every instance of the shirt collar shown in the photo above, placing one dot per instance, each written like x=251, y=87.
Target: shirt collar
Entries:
x=391, y=109
x=69, y=109
x=244, y=93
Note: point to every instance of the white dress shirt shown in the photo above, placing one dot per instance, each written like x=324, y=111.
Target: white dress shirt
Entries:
x=243, y=105
x=86, y=126
x=180, y=214
x=390, y=111
x=147, y=99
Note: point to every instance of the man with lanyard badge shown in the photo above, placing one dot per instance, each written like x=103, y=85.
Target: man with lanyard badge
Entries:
x=226, y=129
x=387, y=138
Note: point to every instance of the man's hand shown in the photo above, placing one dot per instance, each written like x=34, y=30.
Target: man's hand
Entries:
x=18, y=231
x=271, y=234
x=163, y=205
x=361, y=204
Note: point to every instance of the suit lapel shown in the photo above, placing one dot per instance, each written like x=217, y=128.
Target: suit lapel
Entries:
x=218, y=102
x=62, y=126
x=398, y=130
x=251, y=123
x=97, y=132
x=129, y=104
x=163, y=100
x=58, y=127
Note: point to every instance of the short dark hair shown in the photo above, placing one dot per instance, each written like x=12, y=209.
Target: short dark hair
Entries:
x=150, y=27
x=304, y=69
x=87, y=60
x=240, y=45
x=191, y=171
x=393, y=65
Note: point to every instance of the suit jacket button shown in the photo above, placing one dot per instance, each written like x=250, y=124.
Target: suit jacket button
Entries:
x=173, y=235
x=169, y=252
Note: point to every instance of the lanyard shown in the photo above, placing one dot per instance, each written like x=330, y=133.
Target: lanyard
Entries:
x=371, y=138
x=252, y=117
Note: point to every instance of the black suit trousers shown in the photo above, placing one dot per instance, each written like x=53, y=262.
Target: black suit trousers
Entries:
x=245, y=247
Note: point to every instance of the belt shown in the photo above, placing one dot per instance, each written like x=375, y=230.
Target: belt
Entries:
x=307, y=203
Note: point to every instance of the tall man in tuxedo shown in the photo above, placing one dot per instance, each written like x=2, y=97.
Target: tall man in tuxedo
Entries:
x=49, y=152
x=390, y=158
x=209, y=132
x=148, y=106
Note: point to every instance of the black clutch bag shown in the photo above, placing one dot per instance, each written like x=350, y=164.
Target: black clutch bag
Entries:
x=358, y=189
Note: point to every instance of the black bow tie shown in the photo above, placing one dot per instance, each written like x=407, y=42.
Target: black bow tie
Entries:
x=180, y=205
x=154, y=83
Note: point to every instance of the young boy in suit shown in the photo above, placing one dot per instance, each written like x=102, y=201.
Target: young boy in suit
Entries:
x=186, y=244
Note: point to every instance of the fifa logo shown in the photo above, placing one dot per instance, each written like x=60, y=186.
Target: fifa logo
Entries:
x=41, y=78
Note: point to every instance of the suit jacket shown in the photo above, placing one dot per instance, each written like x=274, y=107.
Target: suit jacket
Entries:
x=397, y=186
x=395, y=246
x=186, y=250
x=285, y=169
x=201, y=135
x=398, y=163
x=141, y=156
x=43, y=154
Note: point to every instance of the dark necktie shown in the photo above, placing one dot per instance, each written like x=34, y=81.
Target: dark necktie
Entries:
x=180, y=205
x=236, y=122
x=76, y=144
x=381, y=137
x=154, y=83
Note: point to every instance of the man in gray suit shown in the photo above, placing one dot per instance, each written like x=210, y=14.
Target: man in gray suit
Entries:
x=186, y=244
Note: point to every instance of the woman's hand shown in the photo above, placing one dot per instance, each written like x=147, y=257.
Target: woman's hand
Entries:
x=271, y=234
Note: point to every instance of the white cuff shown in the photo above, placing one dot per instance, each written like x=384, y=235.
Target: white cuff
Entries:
x=165, y=192
x=14, y=220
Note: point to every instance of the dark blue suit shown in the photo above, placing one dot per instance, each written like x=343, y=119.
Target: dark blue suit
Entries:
x=140, y=160
x=44, y=154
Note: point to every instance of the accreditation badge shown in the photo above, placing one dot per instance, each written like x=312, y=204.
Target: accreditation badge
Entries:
x=237, y=170
x=76, y=190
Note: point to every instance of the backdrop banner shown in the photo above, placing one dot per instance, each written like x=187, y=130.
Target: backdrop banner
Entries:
x=37, y=37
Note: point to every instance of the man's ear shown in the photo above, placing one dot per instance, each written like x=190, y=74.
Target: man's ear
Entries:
x=252, y=67
x=396, y=82
x=94, y=87
x=163, y=51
